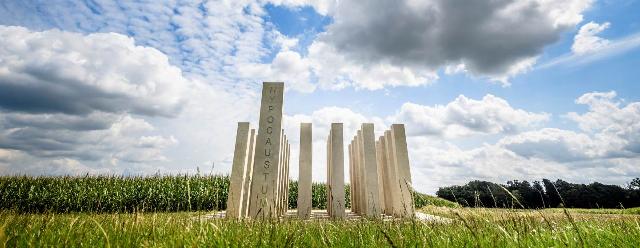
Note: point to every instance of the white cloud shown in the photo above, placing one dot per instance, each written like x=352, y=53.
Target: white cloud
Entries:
x=357, y=51
x=287, y=66
x=615, y=127
x=607, y=150
x=64, y=72
x=321, y=120
x=552, y=144
x=464, y=116
x=587, y=40
x=336, y=71
x=494, y=39
x=79, y=102
x=589, y=48
x=327, y=68
x=436, y=163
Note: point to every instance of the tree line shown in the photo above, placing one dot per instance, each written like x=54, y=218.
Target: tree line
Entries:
x=545, y=194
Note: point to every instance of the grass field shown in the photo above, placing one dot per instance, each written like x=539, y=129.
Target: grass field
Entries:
x=172, y=211
x=467, y=228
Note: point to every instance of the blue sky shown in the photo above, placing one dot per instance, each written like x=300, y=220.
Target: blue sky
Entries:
x=490, y=90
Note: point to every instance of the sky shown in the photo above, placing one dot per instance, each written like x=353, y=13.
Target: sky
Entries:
x=487, y=90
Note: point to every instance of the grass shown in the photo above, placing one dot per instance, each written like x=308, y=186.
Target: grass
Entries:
x=113, y=193
x=170, y=211
x=468, y=228
x=117, y=194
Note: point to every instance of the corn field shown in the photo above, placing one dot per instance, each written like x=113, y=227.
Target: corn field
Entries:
x=119, y=194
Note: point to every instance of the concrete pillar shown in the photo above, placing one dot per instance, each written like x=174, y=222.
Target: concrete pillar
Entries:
x=286, y=179
x=392, y=174
x=278, y=182
x=380, y=164
x=370, y=167
x=281, y=180
x=356, y=175
x=386, y=181
x=304, y=170
x=336, y=171
x=266, y=159
x=246, y=188
x=238, y=167
x=361, y=173
x=401, y=157
x=351, y=178
x=328, y=184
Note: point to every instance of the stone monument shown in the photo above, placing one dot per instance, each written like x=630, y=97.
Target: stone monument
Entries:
x=260, y=171
x=379, y=169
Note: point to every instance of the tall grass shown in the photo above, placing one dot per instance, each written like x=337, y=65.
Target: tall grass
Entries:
x=468, y=228
x=111, y=194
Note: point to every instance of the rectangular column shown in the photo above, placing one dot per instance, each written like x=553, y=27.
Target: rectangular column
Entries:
x=337, y=204
x=401, y=158
x=392, y=174
x=238, y=167
x=384, y=171
x=380, y=180
x=356, y=175
x=362, y=201
x=328, y=189
x=305, y=170
x=283, y=178
x=370, y=171
x=266, y=159
x=286, y=179
x=246, y=188
x=351, y=185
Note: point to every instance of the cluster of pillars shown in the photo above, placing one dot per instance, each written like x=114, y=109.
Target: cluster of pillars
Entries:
x=260, y=169
x=379, y=173
x=259, y=186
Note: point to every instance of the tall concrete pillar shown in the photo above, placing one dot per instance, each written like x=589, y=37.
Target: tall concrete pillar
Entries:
x=384, y=170
x=280, y=180
x=392, y=174
x=351, y=179
x=305, y=169
x=238, y=168
x=246, y=188
x=263, y=187
x=380, y=164
x=286, y=179
x=401, y=157
x=370, y=167
x=361, y=173
x=336, y=165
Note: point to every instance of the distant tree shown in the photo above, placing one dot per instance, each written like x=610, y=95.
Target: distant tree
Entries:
x=635, y=184
x=552, y=193
x=540, y=195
